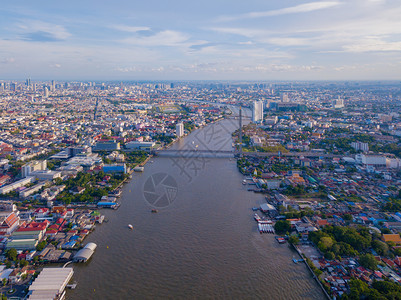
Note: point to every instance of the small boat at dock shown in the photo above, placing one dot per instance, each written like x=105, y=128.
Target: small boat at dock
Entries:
x=280, y=240
x=257, y=217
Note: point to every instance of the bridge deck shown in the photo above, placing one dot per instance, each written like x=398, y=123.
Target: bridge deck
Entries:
x=229, y=153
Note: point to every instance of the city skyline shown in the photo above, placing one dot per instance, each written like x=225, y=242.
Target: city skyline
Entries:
x=257, y=40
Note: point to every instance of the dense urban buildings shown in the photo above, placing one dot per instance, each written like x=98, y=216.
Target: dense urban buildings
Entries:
x=325, y=158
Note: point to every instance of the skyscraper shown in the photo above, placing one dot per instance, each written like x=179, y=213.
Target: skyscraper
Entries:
x=46, y=92
x=179, y=129
x=257, y=112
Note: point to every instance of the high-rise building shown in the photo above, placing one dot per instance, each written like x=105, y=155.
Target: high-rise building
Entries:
x=53, y=86
x=360, y=146
x=179, y=129
x=1, y=86
x=46, y=92
x=284, y=97
x=338, y=103
x=257, y=112
x=33, y=166
x=13, y=86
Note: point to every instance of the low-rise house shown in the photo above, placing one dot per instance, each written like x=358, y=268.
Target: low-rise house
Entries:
x=305, y=227
x=395, y=238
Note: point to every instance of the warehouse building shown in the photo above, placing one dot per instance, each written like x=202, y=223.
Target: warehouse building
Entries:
x=50, y=284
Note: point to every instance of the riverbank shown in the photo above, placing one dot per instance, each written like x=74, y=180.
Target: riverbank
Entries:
x=302, y=256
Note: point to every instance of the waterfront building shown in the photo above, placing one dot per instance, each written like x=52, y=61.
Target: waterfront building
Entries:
x=85, y=253
x=179, y=129
x=138, y=145
x=50, y=284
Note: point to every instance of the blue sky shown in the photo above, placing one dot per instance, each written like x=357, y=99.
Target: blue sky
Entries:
x=183, y=39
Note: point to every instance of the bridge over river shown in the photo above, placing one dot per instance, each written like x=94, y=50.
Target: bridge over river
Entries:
x=193, y=153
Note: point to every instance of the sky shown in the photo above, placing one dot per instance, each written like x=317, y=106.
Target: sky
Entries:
x=200, y=40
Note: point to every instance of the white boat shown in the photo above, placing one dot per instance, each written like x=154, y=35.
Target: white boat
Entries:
x=130, y=226
x=139, y=169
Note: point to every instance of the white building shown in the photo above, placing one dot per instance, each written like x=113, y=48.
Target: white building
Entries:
x=46, y=175
x=372, y=160
x=338, y=103
x=32, y=166
x=257, y=112
x=360, y=146
x=13, y=186
x=179, y=128
x=140, y=145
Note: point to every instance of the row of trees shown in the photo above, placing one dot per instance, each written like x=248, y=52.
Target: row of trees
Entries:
x=378, y=290
x=338, y=241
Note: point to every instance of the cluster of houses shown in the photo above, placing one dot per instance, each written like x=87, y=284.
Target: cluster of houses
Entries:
x=44, y=234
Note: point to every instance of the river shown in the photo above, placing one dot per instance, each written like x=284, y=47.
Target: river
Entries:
x=202, y=244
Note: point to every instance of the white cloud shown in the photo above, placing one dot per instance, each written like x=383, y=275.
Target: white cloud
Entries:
x=30, y=29
x=302, y=8
x=162, y=38
x=130, y=28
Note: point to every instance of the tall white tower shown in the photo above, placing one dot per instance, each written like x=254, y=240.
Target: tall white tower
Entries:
x=179, y=129
x=257, y=112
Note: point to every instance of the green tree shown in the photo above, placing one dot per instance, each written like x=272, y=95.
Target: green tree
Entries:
x=12, y=254
x=325, y=243
x=282, y=226
x=294, y=240
x=380, y=247
x=23, y=263
x=41, y=246
x=347, y=217
x=329, y=255
x=368, y=261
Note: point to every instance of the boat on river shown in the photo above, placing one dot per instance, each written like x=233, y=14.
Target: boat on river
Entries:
x=154, y=211
x=130, y=226
x=139, y=169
